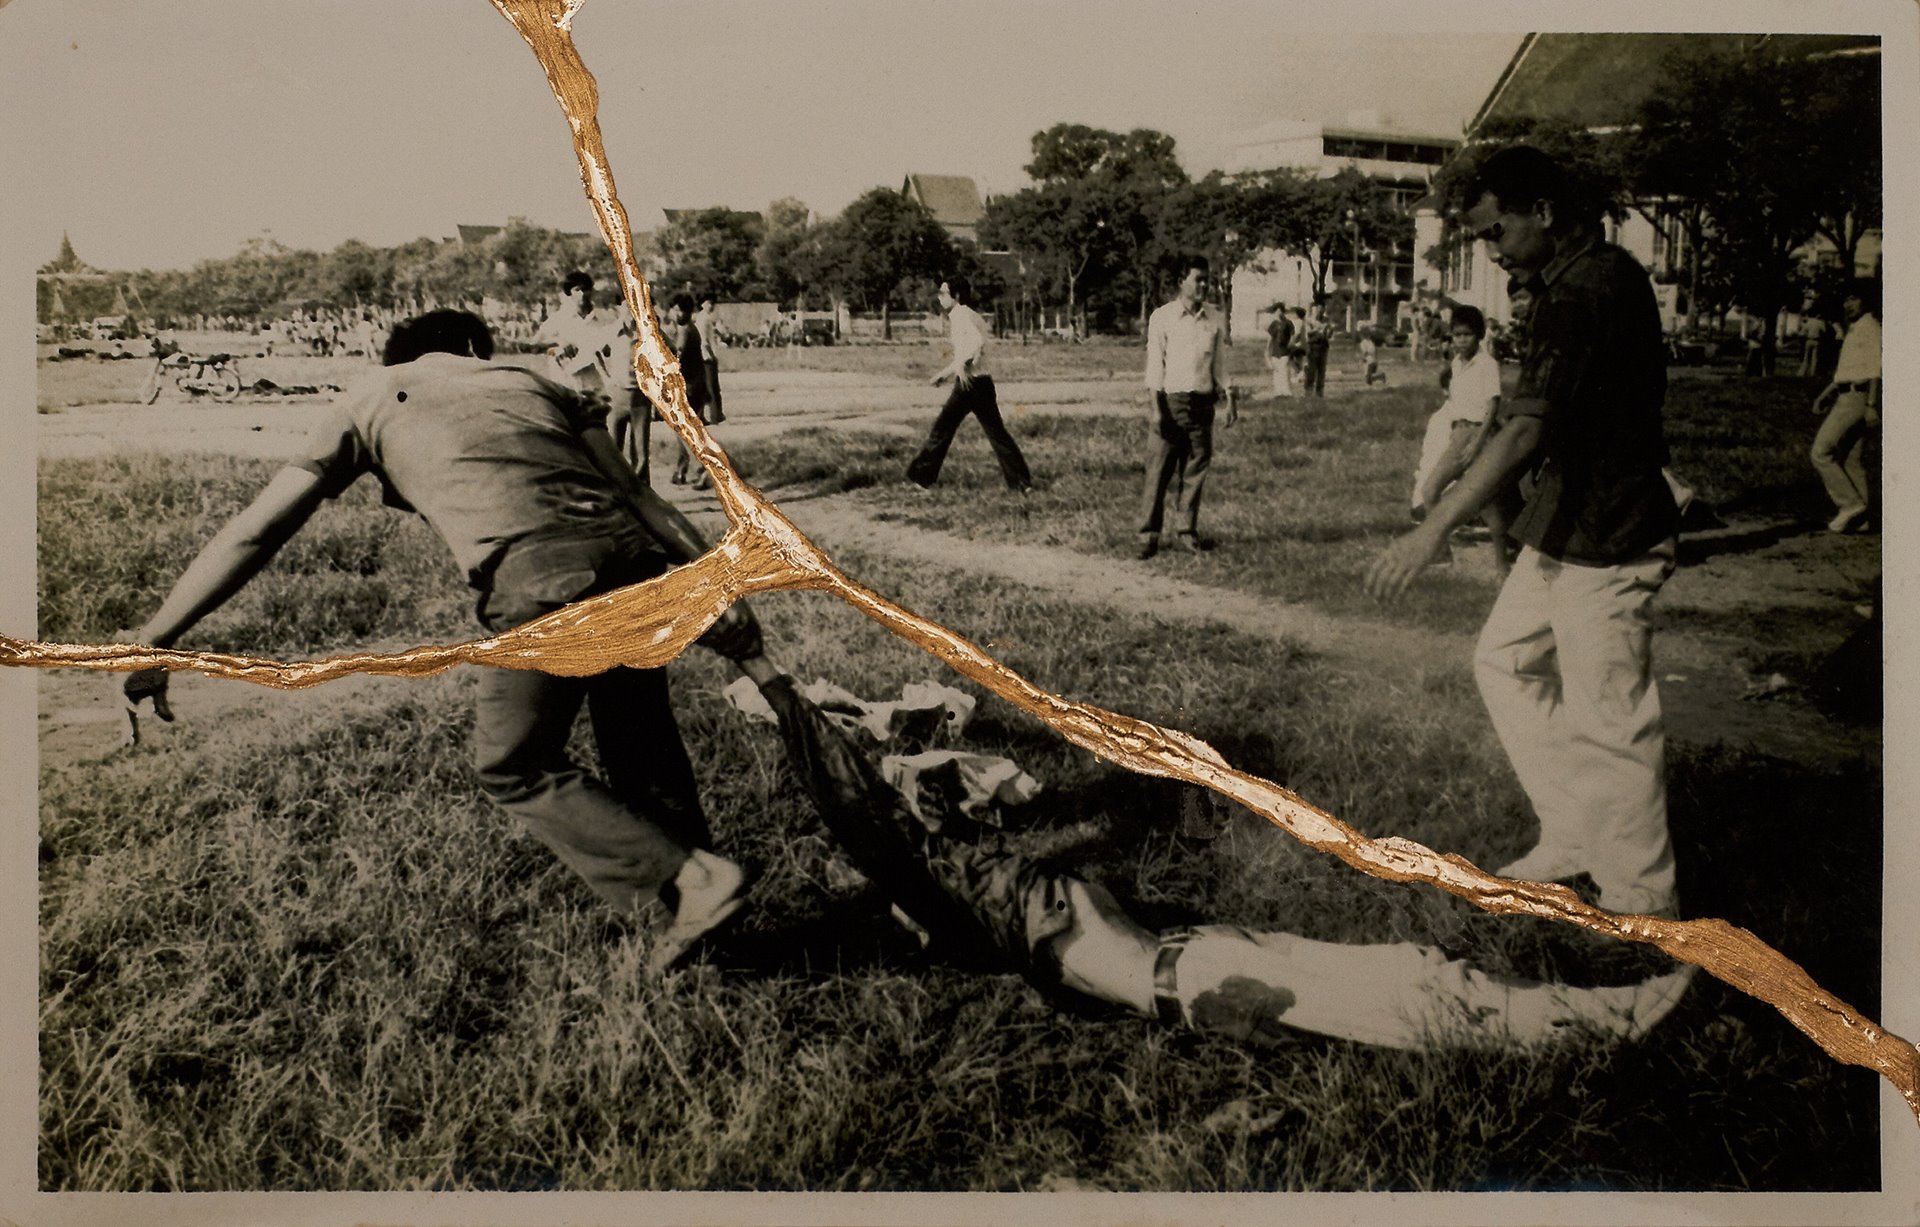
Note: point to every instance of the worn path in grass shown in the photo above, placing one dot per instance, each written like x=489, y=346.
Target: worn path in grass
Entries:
x=1750, y=581
x=1707, y=683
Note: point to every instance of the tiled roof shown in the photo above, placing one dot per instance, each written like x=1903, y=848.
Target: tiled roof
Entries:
x=952, y=199
x=1597, y=80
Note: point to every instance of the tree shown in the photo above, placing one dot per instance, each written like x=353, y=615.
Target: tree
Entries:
x=788, y=221
x=1107, y=191
x=713, y=250
x=1761, y=153
x=879, y=243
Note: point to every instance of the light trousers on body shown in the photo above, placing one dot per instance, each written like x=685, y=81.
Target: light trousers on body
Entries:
x=1282, y=368
x=1565, y=667
x=1839, y=452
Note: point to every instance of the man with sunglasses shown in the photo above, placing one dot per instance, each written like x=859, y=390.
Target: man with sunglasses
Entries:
x=1564, y=661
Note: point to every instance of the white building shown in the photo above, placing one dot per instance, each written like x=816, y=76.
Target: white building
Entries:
x=1402, y=160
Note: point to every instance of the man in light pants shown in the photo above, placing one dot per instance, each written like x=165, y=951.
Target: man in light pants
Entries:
x=1564, y=661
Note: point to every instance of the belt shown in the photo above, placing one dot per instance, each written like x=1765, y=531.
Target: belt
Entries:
x=1856, y=385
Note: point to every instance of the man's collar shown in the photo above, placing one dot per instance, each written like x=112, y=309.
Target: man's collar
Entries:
x=1199, y=308
x=1575, y=246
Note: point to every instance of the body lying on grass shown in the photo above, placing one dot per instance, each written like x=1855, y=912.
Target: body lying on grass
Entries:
x=1067, y=935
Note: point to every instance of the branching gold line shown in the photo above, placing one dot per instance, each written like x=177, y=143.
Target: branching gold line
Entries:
x=649, y=624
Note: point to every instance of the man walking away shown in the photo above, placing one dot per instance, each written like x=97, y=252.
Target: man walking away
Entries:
x=972, y=394
x=1564, y=662
x=1185, y=351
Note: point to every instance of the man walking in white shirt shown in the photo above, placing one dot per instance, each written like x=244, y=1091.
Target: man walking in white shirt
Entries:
x=1184, y=358
x=1852, y=407
x=581, y=339
x=972, y=393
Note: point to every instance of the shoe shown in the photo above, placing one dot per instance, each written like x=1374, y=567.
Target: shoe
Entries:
x=1846, y=518
x=712, y=890
x=1148, y=548
x=679, y=479
x=703, y=482
x=1193, y=543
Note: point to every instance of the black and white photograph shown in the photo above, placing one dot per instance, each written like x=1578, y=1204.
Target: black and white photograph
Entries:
x=1467, y=422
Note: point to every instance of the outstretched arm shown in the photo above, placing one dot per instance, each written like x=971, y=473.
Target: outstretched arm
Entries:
x=1498, y=463
x=235, y=555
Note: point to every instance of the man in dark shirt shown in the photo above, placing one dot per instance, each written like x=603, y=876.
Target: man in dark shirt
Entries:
x=1564, y=660
x=521, y=480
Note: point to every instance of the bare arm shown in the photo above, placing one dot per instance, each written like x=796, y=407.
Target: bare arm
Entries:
x=244, y=545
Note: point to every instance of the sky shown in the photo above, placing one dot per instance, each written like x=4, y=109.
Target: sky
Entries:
x=173, y=132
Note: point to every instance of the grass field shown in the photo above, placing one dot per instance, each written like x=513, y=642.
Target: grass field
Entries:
x=291, y=947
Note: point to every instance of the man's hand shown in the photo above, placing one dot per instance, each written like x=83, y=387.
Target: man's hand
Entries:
x=133, y=689
x=1396, y=565
x=736, y=634
x=1153, y=408
x=939, y=377
x=963, y=379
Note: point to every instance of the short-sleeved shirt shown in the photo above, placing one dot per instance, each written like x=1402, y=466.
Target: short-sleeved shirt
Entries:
x=1859, y=353
x=1594, y=373
x=1184, y=349
x=1472, y=388
x=488, y=454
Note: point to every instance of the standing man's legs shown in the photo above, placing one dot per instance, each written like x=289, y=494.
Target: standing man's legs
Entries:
x=1194, y=416
x=1006, y=449
x=1166, y=450
x=1838, y=457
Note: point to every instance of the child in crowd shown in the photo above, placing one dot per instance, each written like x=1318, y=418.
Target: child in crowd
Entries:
x=1370, y=359
x=1461, y=425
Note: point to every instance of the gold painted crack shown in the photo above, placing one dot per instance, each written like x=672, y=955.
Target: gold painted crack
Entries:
x=649, y=624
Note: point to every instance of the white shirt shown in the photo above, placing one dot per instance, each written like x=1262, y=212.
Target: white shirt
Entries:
x=1473, y=389
x=968, y=331
x=709, y=337
x=1860, y=352
x=590, y=335
x=1183, y=349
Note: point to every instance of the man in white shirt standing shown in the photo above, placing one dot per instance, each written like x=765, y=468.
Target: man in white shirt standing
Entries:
x=580, y=338
x=1184, y=359
x=1852, y=405
x=972, y=393
x=707, y=321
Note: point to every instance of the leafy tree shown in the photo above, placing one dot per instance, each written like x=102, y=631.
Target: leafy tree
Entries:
x=713, y=250
x=879, y=243
x=1765, y=152
x=788, y=221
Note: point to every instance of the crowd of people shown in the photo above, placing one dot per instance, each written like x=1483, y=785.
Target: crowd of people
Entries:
x=539, y=483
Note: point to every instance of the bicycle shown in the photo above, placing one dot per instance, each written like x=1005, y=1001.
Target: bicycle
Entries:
x=214, y=375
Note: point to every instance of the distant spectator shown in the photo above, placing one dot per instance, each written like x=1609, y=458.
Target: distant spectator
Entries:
x=1280, y=353
x=684, y=339
x=1851, y=403
x=1318, y=341
x=1458, y=429
x=1370, y=371
x=579, y=338
x=708, y=325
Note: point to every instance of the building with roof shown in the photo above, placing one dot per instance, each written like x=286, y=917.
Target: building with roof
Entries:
x=1400, y=159
x=953, y=200
x=1598, y=82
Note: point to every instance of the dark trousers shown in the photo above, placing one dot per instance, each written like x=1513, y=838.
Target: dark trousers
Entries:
x=632, y=429
x=1317, y=372
x=629, y=835
x=1179, y=445
x=979, y=400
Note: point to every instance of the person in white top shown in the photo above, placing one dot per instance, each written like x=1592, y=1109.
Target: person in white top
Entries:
x=708, y=324
x=1461, y=425
x=972, y=393
x=1184, y=364
x=1852, y=407
x=579, y=338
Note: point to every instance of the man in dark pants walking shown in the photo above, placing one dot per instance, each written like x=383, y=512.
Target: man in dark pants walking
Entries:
x=1184, y=358
x=972, y=393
